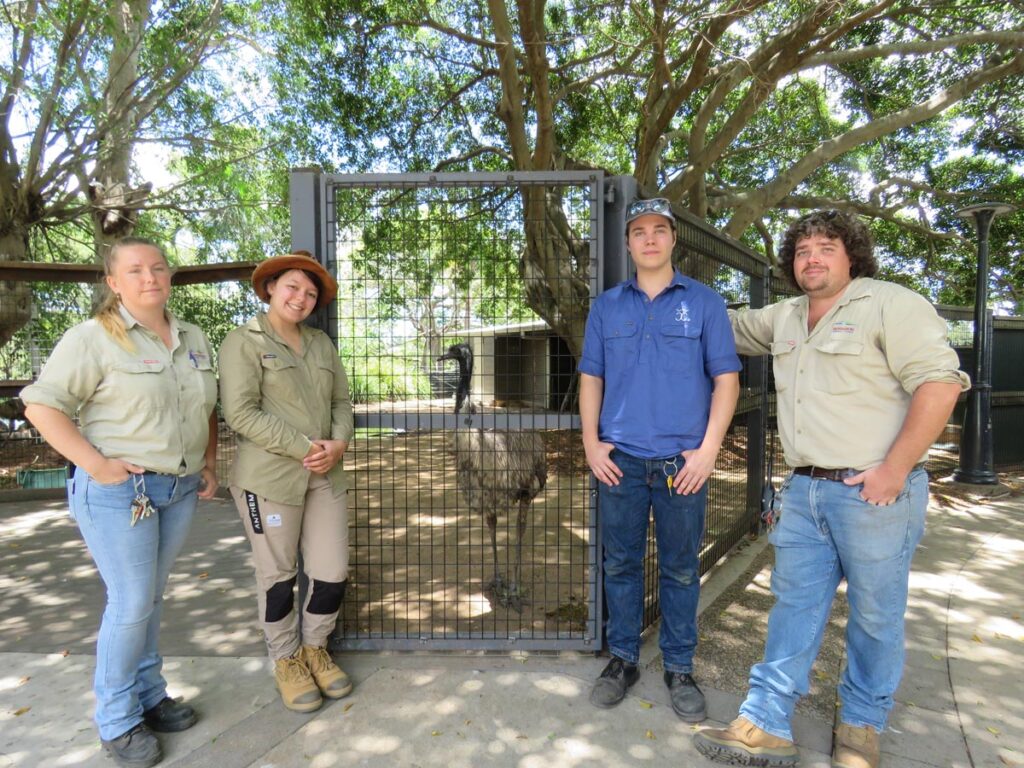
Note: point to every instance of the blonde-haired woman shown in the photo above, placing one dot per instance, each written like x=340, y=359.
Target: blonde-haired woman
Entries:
x=142, y=387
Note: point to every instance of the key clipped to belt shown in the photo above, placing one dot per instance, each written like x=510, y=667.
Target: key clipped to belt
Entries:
x=671, y=469
x=141, y=506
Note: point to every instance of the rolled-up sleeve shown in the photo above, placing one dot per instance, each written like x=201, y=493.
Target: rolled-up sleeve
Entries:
x=719, y=345
x=241, y=376
x=70, y=377
x=924, y=355
x=753, y=329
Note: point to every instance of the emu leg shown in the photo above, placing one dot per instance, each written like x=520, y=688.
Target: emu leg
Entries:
x=497, y=584
x=516, y=593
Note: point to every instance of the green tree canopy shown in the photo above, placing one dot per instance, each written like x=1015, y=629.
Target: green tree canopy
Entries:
x=741, y=111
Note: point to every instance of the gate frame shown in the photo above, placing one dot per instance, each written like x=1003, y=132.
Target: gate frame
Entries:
x=310, y=194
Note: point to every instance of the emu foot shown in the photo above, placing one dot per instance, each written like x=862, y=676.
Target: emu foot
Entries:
x=509, y=595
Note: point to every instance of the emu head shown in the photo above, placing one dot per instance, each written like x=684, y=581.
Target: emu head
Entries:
x=462, y=354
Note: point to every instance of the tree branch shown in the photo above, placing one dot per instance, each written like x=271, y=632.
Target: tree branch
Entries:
x=812, y=202
x=751, y=204
x=835, y=58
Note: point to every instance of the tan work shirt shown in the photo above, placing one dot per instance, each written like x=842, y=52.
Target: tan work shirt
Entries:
x=844, y=388
x=277, y=402
x=150, y=407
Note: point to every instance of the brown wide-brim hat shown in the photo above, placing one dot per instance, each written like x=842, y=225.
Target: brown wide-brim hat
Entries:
x=303, y=260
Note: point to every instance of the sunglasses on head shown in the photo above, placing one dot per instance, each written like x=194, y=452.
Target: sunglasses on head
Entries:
x=658, y=205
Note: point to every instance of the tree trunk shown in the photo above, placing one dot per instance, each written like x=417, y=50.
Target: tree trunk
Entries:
x=555, y=267
x=15, y=297
x=115, y=204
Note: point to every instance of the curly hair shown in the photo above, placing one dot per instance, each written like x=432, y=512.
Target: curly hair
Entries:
x=836, y=225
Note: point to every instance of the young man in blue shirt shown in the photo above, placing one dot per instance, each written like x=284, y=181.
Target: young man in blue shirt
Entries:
x=658, y=389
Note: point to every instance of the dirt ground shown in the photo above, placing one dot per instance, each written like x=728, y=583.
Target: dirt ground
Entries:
x=422, y=562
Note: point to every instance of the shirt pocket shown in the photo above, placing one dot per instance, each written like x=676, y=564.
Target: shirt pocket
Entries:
x=206, y=381
x=324, y=373
x=783, y=363
x=837, y=366
x=621, y=347
x=681, y=350
x=144, y=385
x=280, y=378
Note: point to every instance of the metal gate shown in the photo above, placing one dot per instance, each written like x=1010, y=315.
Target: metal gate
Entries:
x=504, y=265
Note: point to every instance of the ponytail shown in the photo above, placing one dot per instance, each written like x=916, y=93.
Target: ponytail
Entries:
x=109, y=316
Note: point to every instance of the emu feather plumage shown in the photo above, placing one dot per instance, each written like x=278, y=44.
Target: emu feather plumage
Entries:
x=496, y=470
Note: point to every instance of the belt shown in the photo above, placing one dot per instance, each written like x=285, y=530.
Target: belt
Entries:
x=836, y=475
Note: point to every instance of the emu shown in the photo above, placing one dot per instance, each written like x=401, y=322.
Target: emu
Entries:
x=495, y=468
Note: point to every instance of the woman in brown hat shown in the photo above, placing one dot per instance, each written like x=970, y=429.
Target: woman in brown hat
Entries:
x=285, y=393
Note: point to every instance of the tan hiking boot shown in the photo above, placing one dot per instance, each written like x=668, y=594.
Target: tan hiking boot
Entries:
x=743, y=743
x=855, y=747
x=298, y=690
x=330, y=678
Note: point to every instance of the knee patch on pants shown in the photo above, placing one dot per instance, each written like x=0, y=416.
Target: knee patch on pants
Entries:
x=280, y=600
x=326, y=597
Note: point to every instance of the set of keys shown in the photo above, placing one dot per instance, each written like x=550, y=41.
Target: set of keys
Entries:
x=141, y=507
x=671, y=469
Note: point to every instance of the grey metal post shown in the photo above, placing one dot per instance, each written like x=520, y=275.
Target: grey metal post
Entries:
x=305, y=214
x=305, y=207
x=619, y=192
x=757, y=420
x=976, y=451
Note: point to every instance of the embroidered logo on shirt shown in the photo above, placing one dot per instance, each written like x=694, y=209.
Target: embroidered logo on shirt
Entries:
x=683, y=312
x=150, y=362
x=269, y=356
x=841, y=327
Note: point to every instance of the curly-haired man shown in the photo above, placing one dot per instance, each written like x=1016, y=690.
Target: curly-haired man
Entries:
x=866, y=381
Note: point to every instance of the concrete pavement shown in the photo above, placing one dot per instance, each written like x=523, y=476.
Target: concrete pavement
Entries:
x=961, y=702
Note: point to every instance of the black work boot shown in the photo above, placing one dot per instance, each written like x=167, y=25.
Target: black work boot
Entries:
x=137, y=748
x=687, y=698
x=611, y=686
x=169, y=716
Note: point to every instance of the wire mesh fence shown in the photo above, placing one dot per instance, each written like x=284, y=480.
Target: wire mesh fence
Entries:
x=472, y=529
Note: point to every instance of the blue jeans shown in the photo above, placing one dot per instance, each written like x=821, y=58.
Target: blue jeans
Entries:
x=134, y=564
x=679, y=527
x=827, y=533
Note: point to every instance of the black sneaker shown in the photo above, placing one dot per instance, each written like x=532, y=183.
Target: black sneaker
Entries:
x=138, y=748
x=687, y=698
x=170, y=716
x=611, y=686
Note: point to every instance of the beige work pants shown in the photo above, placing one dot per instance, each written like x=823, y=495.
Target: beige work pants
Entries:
x=277, y=532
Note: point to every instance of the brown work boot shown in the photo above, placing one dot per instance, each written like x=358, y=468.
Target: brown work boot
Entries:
x=298, y=691
x=855, y=747
x=330, y=678
x=743, y=743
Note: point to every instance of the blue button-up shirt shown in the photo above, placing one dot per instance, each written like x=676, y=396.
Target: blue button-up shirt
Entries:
x=657, y=359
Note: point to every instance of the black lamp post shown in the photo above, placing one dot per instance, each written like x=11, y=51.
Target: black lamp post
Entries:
x=976, y=456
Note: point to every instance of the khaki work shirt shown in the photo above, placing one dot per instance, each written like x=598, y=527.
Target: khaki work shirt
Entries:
x=844, y=388
x=150, y=407
x=278, y=402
